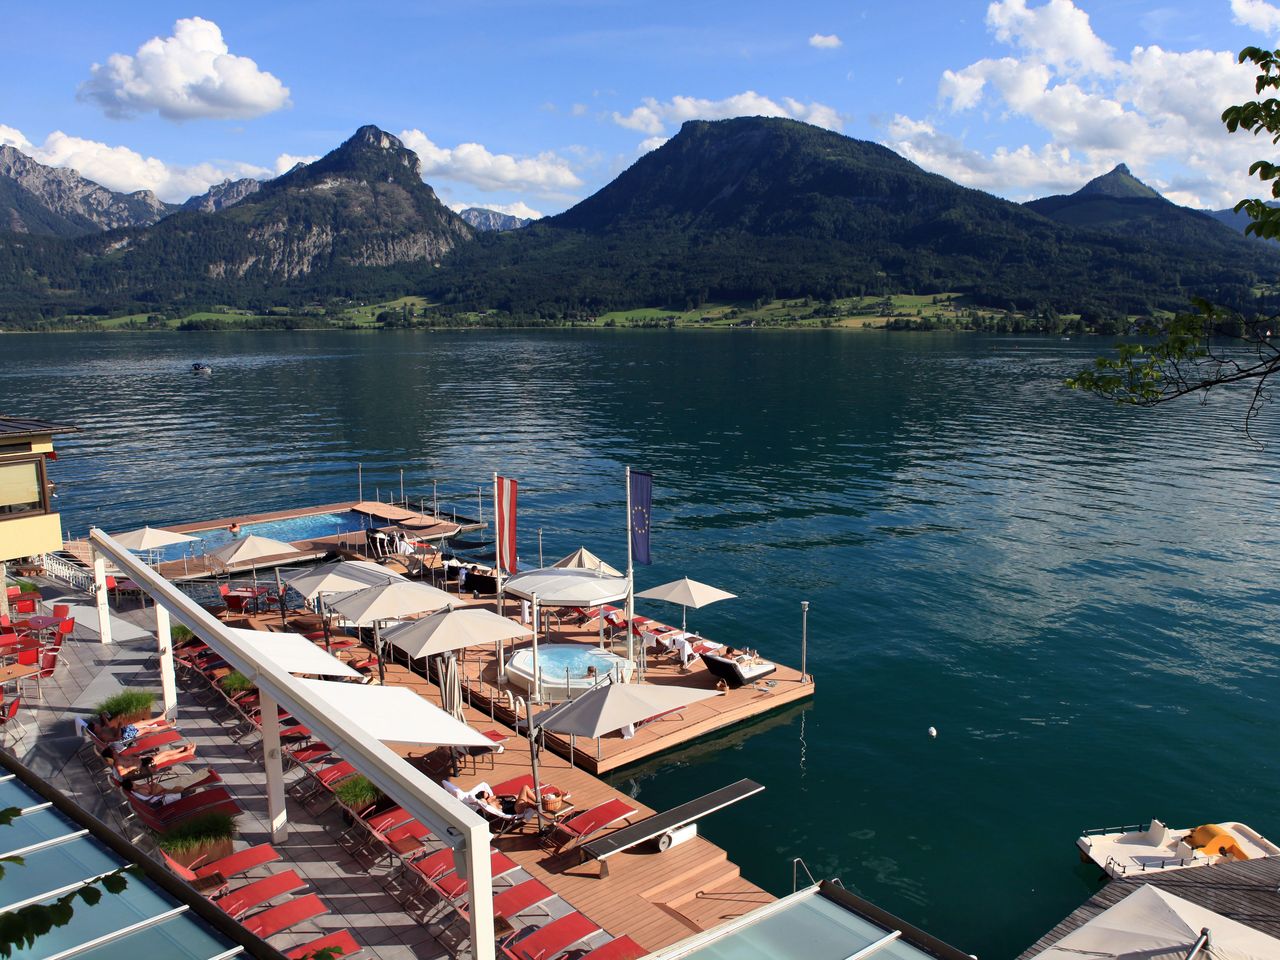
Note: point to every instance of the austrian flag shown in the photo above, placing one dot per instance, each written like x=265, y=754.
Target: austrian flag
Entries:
x=505, y=520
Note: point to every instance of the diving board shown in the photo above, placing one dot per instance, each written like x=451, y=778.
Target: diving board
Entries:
x=671, y=826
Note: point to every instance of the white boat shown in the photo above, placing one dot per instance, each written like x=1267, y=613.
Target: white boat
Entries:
x=1130, y=851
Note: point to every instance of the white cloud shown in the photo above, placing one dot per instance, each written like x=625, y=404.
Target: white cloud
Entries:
x=825, y=41
x=186, y=76
x=125, y=170
x=287, y=161
x=578, y=109
x=653, y=117
x=472, y=163
x=1158, y=111
x=517, y=209
x=649, y=144
x=1256, y=15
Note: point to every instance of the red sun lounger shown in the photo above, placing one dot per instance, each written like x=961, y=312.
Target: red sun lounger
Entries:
x=259, y=893
x=620, y=948
x=298, y=910
x=521, y=897
x=343, y=940
x=242, y=861
x=552, y=940
x=588, y=823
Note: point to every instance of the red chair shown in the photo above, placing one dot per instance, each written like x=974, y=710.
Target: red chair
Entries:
x=48, y=666
x=213, y=880
x=552, y=940
x=24, y=606
x=259, y=893
x=9, y=720
x=586, y=824
x=61, y=610
x=521, y=897
x=342, y=940
x=299, y=910
x=212, y=800
x=620, y=948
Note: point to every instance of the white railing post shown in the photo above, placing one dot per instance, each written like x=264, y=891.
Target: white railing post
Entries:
x=100, y=597
x=164, y=647
x=274, y=767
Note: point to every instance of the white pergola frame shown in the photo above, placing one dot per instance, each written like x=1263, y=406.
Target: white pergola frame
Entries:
x=451, y=821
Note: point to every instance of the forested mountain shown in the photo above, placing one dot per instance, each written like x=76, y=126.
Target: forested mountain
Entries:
x=55, y=201
x=483, y=219
x=732, y=210
x=1118, y=202
x=222, y=195
x=756, y=208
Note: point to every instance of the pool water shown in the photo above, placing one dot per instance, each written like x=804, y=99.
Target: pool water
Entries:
x=288, y=530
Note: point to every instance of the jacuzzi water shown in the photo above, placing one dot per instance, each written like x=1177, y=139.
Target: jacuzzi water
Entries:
x=557, y=659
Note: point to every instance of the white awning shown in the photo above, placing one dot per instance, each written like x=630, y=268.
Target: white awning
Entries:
x=396, y=714
x=555, y=587
x=339, y=577
x=294, y=653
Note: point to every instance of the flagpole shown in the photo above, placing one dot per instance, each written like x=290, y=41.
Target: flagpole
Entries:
x=497, y=543
x=631, y=589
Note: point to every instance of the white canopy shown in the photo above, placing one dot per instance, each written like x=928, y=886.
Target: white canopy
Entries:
x=149, y=538
x=452, y=629
x=248, y=549
x=339, y=577
x=584, y=559
x=1150, y=924
x=294, y=653
x=389, y=601
x=555, y=587
x=612, y=706
x=687, y=593
x=395, y=713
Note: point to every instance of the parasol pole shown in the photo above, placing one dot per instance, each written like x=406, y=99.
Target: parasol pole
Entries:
x=536, y=694
x=631, y=603
x=377, y=652
x=533, y=760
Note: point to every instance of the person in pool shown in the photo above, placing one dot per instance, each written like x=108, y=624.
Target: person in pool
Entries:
x=234, y=529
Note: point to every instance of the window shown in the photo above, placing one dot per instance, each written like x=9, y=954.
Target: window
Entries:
x=22, y=488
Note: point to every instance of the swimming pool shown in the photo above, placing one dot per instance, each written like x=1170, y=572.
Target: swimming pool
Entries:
x=563, y=667
x=288, y=530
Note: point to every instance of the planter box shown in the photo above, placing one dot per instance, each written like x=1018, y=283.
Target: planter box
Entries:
x=206, y=853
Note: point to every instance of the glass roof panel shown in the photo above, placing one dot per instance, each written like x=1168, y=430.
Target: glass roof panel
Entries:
x=179, y=938
x=54, y=868
x=33, y=828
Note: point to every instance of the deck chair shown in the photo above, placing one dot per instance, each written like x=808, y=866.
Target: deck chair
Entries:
x=582, y=826
x=342, y=940
x=259, y=893
x=289, y=914
x=10, y=725
x=732, y=673
x=619, y=948
x=214, y=799
x=551, y=940
x=515, y=900
x=214, y=879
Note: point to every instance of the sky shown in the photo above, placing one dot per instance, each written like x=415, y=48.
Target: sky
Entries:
x=528, y=106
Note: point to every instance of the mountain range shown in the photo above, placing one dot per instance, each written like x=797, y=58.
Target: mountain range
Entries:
x=732, y=210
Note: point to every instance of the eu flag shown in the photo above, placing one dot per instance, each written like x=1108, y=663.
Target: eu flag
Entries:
x=641, y=515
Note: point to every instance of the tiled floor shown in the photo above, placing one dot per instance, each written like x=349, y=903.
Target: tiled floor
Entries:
x=89, y=672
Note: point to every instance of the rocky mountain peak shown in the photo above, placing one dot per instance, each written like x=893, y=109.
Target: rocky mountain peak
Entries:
x=1119, y=182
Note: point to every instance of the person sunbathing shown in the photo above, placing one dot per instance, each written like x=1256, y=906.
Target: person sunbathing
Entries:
x=130, y=766
x=107, y=728
x=522, y=805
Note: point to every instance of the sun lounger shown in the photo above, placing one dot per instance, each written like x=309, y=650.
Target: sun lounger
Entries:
x=662, y=826
x=523, y=896
x=259, y=893
x=736, y=674
x=342, y=940
x=581, y=826
x=158, y=818
x=274, y=920
x=619, y=948
x=552, y=940
x=224, y=868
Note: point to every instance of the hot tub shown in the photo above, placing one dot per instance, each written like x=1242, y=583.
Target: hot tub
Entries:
x=564, y=668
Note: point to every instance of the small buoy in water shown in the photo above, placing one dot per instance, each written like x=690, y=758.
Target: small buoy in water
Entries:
x=933, y=732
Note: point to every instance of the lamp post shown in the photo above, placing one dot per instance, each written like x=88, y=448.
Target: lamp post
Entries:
x=804, y=639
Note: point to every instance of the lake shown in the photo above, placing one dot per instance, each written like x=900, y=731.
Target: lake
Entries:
x=1078, y=596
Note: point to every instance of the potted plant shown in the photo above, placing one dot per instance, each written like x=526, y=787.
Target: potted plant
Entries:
x=357, y=793
x=127, y=706
x=235, y=682
x=204, y=837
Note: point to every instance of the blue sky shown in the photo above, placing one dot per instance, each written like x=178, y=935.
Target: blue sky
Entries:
x=533, y=105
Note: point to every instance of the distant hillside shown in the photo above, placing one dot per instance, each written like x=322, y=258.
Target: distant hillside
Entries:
x=755, y=208
x=57, y=201
x=487, y=220
x=1119, y=203
x=222, y=195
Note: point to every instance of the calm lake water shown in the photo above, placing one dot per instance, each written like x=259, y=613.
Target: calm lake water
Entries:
x=1079, y=597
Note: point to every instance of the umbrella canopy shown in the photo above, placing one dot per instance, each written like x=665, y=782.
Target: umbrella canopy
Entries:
x=394, y=713
x=584, y=559
x=149, y=538
x=342, y=576
x=251, y=548
x=452, y=629
x=612, y=706
x=687, y=593
x=556, y=587
x=1150, y=924
x=388, y=601
x=293, y=653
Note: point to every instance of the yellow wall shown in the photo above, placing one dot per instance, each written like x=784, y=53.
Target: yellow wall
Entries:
x=26, y=536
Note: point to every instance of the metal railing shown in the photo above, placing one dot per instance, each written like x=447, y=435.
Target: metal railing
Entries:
x=798, y=864
x=1115, y=868
x=1098, y=831
x=61, y=569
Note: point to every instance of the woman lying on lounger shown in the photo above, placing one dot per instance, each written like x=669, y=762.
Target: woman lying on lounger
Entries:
x=521, y=805
x=131, y=766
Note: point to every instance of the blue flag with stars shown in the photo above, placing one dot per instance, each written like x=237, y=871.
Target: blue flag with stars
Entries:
x=641, y=515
